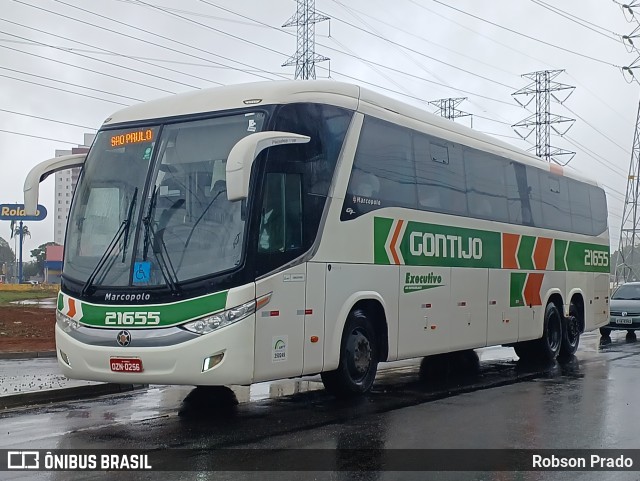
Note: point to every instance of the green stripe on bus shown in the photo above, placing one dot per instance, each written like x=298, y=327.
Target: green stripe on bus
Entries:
x=60, y=301
x=168, y=314
x=516, y=287
x=560, y=248
x=525, y=252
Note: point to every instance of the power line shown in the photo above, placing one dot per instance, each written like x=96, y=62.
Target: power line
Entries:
x=575, y=19
x=47, y=119
x=423, y=54
x=73, y=85
x=523, y=34
x=37, y=137
x=222, y=32
x=601, y=133
x=155, y=34
x=396, y=27
x=63, y=90
x=75, y=52
x=84, y=68
x=134, y=57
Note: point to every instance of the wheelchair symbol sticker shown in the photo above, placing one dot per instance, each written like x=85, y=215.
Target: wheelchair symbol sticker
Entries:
x=141, y=272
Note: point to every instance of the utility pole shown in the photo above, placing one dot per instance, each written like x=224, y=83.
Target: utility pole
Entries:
x=626, y=268
x=305, y=58
x=542, y=88
x=448, y=108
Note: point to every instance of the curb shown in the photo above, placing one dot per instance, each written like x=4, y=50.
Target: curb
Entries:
x=27, y=354
x=65, y=394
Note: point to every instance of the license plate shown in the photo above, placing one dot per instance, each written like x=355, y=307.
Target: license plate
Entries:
x=126, y=364
x=623, y=320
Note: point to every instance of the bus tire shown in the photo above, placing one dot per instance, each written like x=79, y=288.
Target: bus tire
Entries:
x=570, y=333
x=548, y=346
x=359, y=355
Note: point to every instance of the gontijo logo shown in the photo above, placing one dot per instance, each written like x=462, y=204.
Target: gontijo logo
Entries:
x=403, y=242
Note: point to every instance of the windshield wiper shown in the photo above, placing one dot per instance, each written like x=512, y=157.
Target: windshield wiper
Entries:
x=122, y=230
x=150, y=237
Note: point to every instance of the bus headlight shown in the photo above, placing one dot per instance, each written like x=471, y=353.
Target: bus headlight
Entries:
x=66, y=323
x=210, y=323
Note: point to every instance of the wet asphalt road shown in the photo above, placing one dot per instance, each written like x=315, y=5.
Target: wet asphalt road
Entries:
x=589, y=402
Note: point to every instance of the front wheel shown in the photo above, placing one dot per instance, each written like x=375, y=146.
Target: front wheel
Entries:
x=359, y=355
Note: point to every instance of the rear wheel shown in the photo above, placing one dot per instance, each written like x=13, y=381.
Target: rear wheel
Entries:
x=570, y=333
x=548, y=346
x=359, y=355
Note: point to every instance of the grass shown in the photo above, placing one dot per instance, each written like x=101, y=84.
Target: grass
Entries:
x=6, y=297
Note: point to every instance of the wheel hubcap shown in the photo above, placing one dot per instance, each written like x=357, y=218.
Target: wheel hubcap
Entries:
x=360, y=355
x=572, y=330
x=553, y=335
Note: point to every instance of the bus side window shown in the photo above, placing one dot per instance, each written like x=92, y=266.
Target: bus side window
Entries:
x=281, y=215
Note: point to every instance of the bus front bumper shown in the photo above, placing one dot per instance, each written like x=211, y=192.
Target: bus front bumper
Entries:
x=185, y=363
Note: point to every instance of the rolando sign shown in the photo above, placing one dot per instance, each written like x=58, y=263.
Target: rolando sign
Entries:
x=16, y=212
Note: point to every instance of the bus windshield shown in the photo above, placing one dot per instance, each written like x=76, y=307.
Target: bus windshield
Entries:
x=184, y=229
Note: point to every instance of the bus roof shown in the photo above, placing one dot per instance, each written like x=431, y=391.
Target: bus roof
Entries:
x=330, y=92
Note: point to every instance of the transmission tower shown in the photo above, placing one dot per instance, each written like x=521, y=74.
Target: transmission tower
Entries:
x=448, y=108
x=626, y=268
x=305, y=58
x=542, y=88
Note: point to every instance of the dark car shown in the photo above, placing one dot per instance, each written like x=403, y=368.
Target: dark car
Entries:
x=624, y=309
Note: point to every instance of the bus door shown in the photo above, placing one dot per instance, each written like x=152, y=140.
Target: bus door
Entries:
x=280, y=324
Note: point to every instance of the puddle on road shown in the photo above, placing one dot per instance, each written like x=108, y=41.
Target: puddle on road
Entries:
x=49, y=303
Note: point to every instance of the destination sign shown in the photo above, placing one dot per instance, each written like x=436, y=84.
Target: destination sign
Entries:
x=17, y=212
x=135, y=137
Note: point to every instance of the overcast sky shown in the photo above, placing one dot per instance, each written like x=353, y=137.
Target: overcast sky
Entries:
x=111, y=53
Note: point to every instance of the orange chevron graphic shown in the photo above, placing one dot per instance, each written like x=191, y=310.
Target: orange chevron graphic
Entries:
x=394, y=240
x=541, y=252
x=72, y=308
x=532, y=289
x=509, y=250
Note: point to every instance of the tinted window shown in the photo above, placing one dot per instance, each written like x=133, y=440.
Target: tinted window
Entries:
x=598, y=204
x=555, y=202
x=458, y=180
x=439, y=176
x=383, y=173
x=281, y=215
x=486, y=189
x=580, y=207
x=533, y=216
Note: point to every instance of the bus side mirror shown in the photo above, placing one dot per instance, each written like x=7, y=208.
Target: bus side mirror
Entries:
x=41, y=172
x=244, y=153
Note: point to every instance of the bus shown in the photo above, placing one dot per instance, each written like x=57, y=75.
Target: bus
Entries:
x=263, y=231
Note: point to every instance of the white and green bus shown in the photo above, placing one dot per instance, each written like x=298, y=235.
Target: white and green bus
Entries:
x=272, y=230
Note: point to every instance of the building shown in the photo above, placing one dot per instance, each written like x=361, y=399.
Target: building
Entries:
x=53, y=264
x=65, y=184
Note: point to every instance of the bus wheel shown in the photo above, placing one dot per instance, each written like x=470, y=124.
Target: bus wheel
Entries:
x=549, y=345
x=359, y=356
x=570, y=333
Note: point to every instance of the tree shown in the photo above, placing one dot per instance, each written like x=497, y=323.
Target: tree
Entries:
x=16, y=231
x=30, y=269
x=6, y=252
x=40, y=254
